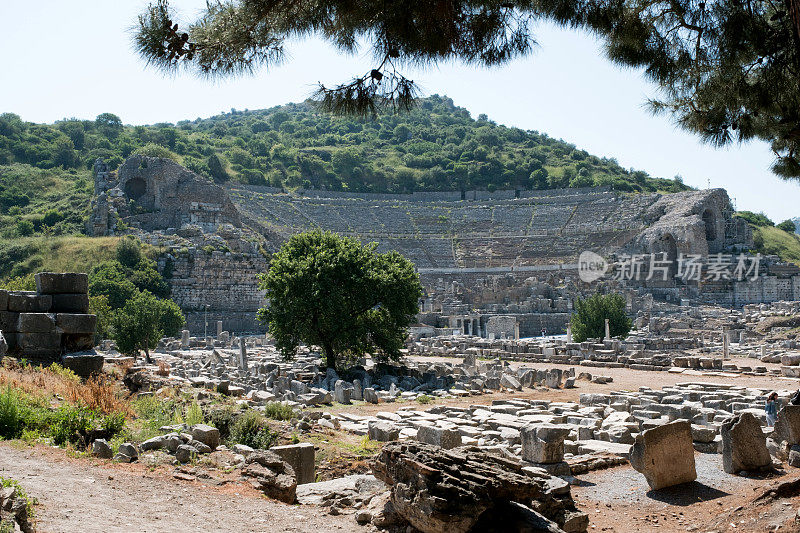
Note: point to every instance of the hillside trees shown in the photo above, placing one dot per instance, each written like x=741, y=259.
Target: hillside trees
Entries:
x=338, y=294
x=726, y=71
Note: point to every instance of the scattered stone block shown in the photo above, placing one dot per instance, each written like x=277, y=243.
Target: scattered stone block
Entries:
x=664, y=455
x=544, y=443
x=744, y=446
x=206, y=434
x=301, y=458
x=383, y=431
x=445, y=438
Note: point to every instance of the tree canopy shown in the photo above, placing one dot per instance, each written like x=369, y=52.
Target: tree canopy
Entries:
x=589, y=318
x=728, y=71
x=339, y=294
x=143, y=321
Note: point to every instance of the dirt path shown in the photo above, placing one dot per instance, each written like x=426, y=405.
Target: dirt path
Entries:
x=89, y=496
x=619, y=500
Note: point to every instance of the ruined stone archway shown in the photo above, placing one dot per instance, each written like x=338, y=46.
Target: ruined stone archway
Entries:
x=135, y=188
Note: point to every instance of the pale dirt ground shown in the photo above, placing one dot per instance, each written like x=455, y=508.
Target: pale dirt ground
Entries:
x=87, y=495
x=90, y=496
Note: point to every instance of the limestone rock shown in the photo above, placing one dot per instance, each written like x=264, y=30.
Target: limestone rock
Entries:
x=271, y=475
x=383, y=431
x=446, y=438
x=665, y=455
x=744, y=446
x=101, y=449
x=301, y=458
x=208, y=435
x=448, y=491
x=787, y=426
x=544, y=443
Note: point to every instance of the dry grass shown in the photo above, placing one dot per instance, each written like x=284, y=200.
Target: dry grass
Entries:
x=97, y=393
x=163, y=369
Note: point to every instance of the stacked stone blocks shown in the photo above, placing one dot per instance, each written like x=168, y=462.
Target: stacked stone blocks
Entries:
x=54, y=320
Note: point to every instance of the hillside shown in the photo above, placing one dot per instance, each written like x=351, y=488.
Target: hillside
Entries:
x=46, y=182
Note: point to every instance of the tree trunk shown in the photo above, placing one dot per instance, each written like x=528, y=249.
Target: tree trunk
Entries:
x=330, y=356
x=147, y=356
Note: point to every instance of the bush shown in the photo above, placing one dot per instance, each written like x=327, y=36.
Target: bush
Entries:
x=250, y=429
x=129, y=252
x=424, y=399
x=278, y=411
x=24, y=228
x=222, y=419
x=12, y=414
x=788, y=226
x=588, y=320
x=755, y=219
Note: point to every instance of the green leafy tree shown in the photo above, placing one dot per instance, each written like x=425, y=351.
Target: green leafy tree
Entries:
x=109, y=125
x=110, y=279
x=588, y=320
x=339, y=294
x=217, y=168
x=787, y=226
x=129, y=252
x=142, y=321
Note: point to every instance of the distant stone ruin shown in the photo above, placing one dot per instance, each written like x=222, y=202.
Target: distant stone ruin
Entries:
x=501, y=264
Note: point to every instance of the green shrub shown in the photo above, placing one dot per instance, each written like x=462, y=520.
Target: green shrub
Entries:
x=588, y=320
x=250, y=429
x=278, y=411
x=787, y=225
x=194, y=414
x=24, y=228
x=12, y=414
x=424, y=399
x=69, y=424
x=129, y=252
x=222, y=419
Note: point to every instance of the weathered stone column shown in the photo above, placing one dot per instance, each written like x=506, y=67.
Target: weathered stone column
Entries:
x=725, y=343
x=242, y=354
x=608, y=331
x=185, y=338
x=219, y=328
x=569, y=332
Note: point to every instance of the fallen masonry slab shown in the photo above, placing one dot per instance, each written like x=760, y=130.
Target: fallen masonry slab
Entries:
x=449, y=491
x=665, y=455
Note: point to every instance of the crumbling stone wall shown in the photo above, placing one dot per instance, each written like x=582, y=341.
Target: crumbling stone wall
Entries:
x=44, y=325
x=226, y=282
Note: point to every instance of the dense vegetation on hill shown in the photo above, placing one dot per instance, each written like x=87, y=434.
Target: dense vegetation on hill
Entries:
x=46, y=182
x=437, y=146
x=773, y=239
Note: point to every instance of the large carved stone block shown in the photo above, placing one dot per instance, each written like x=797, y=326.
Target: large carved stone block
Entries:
x=62, y=283
x=787, y=427
x=544, y=443
x=665, y=455
x=744, y=446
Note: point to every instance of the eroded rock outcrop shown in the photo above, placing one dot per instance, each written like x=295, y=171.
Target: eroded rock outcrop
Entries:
x=450, y=491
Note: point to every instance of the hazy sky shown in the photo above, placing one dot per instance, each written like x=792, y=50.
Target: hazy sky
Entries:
x=74, y=59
